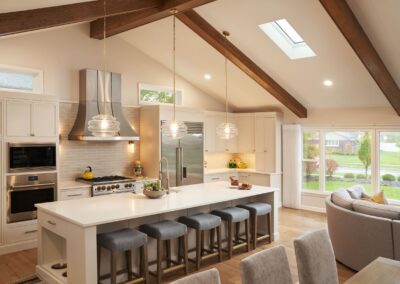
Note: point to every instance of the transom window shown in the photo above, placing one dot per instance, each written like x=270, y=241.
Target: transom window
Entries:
x=20, y=79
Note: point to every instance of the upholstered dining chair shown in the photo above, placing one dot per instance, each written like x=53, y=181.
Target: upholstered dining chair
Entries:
x=210, y=276
x=315, y=259
x=269, y=266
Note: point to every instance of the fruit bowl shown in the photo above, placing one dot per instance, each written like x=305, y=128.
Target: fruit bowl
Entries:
x=152, y=194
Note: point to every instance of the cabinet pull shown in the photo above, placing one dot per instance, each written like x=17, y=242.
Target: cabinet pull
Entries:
x=214, y=178
x=32, y=134
x=30, y=232
x=73, y=195
x=52, y=223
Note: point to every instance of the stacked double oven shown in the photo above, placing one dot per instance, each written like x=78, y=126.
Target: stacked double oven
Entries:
x=31, y=179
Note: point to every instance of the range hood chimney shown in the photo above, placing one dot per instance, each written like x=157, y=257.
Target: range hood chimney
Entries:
x=91, y=102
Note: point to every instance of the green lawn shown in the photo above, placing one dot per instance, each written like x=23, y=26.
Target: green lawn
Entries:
x=390, y=160
x=390, y=192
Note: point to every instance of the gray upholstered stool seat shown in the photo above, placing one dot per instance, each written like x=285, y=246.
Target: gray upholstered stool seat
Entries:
x=232, y=214
x=257, y=208
x=122, y=240
x=202, y=221
x=164, y=230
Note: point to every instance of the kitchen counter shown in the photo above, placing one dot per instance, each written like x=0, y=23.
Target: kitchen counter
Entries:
x=229, y=170
x=72, y=185
x=67, y=230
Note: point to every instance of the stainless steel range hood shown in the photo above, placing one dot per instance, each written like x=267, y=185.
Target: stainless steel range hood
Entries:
x=91, y=102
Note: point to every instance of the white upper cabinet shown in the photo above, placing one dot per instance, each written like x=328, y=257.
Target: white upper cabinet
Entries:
x=214, y=144
x=245, y=140
x=25, y=119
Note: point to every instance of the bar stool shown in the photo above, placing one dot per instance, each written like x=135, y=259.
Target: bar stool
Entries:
x=235, y=215
x=124, y=240
x=204, y=222
x=258, y=209
x=165, y=231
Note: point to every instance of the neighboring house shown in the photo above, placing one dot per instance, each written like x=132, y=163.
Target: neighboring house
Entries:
x=343, y=142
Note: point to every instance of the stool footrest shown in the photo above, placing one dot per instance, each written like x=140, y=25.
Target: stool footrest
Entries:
x=169, y=269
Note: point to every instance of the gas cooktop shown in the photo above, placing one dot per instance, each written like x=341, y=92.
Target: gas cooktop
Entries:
x=110, y=184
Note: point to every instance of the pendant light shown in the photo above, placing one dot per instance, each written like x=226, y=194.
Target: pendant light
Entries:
x=174, y=129
x=226, y=130
x=103, y=124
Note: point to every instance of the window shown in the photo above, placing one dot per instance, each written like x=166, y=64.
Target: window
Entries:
x=151, y=95
x=287, y=39
x=342, y=158
x=21, y=79
x=389, y=163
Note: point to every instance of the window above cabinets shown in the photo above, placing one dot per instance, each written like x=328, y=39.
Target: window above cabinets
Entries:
x=19, y=79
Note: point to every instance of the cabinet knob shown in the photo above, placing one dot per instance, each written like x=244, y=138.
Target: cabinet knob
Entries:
x=32, y=134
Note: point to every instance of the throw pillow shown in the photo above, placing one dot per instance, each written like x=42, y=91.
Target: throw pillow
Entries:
x=356, y=191
x=378, y=198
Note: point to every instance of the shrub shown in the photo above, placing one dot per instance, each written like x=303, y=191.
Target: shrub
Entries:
x=361, y=176
x=310, y=167
x=398, y=178
x=348, y=175
x=388, y=177
x=331, y=167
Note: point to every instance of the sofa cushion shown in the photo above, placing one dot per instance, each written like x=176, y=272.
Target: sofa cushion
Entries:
x=357, y=191
x=378, y=210
x=342, y=198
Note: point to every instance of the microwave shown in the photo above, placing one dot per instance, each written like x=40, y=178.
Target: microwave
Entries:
x=31, y=157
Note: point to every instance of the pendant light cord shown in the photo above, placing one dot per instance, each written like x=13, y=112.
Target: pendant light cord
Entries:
x=174, y=59
x=225, y=33
x=104, y=56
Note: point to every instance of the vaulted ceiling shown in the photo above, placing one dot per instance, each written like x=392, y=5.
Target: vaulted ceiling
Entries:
x=352, y=86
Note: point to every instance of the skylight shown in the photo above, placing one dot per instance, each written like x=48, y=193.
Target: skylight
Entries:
x=287, y=39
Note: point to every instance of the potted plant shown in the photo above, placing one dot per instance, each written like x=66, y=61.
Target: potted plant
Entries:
x=153, y=189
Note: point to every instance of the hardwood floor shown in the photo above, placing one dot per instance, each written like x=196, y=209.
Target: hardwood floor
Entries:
x=292, y=224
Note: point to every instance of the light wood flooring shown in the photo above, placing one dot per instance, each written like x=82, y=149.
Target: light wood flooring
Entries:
x=292, y=224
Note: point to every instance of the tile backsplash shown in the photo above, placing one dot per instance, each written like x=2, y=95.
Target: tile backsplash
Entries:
x=106, y=158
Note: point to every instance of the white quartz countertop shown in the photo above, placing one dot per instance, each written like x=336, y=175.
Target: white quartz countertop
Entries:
x=124, y=206
x=229, y=170
x=72, y=185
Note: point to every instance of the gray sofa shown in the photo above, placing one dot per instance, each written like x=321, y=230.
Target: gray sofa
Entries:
x=359, y=238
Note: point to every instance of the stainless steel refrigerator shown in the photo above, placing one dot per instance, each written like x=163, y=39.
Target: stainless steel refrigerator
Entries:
x=185, y=156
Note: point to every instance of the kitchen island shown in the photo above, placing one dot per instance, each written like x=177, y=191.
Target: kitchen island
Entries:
x=67, y=229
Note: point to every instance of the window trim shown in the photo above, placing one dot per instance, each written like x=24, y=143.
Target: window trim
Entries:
x=38, y=81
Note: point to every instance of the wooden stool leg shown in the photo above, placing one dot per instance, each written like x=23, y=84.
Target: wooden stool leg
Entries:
x=98, y=263
x=113, y=267
x=212, y=237
x=159, y=260
x=180, y=256
x=168, y=243
x=237, y=232
x=202, y=243
x=247, y=229
x=185, y=253
x=219, y=232
x=270, y=227
x=254, y=230
x=128, y=255
x=198, y=249
x=145, y=263
x=229, y=239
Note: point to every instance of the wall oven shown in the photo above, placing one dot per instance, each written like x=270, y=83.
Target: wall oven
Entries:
x=31, y=157
x=24, y=191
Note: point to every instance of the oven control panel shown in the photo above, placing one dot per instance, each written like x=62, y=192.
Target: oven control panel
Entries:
x=110, y=188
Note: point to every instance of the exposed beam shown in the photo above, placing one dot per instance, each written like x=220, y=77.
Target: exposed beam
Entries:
x=36, y=19
x=214, y=37
x=122, y=23
x=351, y=29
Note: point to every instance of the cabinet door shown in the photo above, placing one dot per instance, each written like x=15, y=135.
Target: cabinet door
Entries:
x=44, y=119
x=209, y=134
x=260, y=143
x=232, y=144
x=245, y=139
x=269, y=144
x=221, y=145
x=18, y=119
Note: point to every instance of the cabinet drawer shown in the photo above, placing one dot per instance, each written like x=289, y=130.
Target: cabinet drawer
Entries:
x=68, y=194
x=218, y=177
x=20, y=234
x=53, y=224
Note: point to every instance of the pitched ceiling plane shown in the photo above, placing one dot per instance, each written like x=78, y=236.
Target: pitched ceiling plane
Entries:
x=201, y=27
x=351, y=29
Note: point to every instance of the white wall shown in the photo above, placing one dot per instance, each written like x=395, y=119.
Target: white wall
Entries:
x=62, y=52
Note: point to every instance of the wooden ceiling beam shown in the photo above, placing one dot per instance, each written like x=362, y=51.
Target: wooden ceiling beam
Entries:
x=122, y=23
x=346, y=21
x=36, y=19
x=214, y=37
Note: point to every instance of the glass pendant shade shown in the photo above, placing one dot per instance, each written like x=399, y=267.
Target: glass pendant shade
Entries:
x=104, y=125
x=227, y=130
x=174, y=129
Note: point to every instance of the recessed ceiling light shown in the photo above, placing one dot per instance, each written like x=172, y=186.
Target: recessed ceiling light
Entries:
x=328, y=83
x=207, y=76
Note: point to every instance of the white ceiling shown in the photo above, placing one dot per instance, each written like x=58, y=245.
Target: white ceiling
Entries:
x=19, y=5
x=335, y=60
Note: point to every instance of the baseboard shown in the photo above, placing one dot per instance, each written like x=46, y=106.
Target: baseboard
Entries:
x=9, y=248
x=314, y=209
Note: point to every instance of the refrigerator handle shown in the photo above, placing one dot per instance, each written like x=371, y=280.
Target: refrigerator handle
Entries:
x=179, y=169
x=184, y=174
